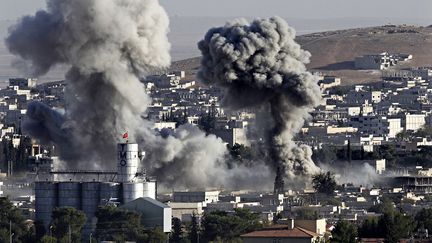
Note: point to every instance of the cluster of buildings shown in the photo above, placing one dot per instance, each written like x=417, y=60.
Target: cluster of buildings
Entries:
x=380, y=61
x=177, y=100
x=368, y=116
x=360, y=117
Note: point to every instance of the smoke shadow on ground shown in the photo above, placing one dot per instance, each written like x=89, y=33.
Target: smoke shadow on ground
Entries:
x=345, y=65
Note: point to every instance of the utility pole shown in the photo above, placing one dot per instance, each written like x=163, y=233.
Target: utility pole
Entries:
x=10, y=231
x=50, y=229
x=70, y=237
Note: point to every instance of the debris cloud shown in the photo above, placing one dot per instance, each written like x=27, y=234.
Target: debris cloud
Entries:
x=109, y=45
x=260, y=65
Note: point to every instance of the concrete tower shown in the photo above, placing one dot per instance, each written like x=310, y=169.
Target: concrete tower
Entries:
x=128, y=159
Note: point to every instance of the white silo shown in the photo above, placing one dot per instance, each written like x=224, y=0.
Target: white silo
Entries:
x=132, y=191
x=127, y=162
x=128, y=159
x=150, y=189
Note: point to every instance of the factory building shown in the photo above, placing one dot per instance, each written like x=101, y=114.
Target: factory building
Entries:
x=153, y=213
x=94, y=188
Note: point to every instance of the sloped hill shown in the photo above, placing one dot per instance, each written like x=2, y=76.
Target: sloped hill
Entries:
x=333, y=52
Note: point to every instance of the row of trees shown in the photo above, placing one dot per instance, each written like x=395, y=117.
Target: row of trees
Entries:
x=332, y=155
x=17, y=156
x=392, y=225
x=113, y=224
x=216, y=226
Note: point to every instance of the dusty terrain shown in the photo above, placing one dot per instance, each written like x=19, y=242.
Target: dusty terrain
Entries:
x=333, y=52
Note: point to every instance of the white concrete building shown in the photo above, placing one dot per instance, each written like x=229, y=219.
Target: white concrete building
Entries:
x=413, y=122
x=380, y=166
x=185, y=210
x=394, y=127
x=327, y=82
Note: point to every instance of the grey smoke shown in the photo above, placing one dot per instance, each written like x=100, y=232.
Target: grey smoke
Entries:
x=260, y=65
x=358, y=174
x=109, y=45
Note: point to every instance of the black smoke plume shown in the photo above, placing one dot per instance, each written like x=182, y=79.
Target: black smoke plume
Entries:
x=259, y=64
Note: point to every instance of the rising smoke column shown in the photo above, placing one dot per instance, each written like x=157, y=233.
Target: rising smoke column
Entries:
x=109, y=44
x=259, y=64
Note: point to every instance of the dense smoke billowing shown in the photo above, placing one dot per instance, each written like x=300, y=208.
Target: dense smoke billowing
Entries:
x=109, y=45
x=260, y=65
x=362, y=174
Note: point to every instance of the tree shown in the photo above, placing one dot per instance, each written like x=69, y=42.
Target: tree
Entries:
x=48, y=239
x=424, y=219
x=370, y=229
x=387, y=152
x=155, y=235
x=22, y=154
x=307, y=213
x=67, y=223
x=118, y=225
x=325, y=155
x=228, y=227
x=385, y=206
x=240, y=152
x=324, y=183
x=396, y=226
x=10, y=216
x=344, y=232
x=177, y=232
x=194, y=229
x=207, y=122
x=392, y=226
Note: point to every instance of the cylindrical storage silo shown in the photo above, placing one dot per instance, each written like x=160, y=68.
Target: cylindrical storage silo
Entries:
x=127, y=161
x=150, y=189
x=109, y=191
x=132, y=191
x=69, y=194
x=90, y=192
x=45, y=201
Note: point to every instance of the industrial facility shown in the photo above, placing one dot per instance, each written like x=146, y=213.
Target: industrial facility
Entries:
x=86, y=190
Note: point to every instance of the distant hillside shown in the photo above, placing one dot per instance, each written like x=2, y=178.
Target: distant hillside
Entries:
x=333, y=52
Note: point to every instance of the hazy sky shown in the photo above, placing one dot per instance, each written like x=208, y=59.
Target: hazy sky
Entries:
x=316, y=9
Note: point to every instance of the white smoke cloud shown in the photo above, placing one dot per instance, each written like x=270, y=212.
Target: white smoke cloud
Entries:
x=359, y=174
x=109, y=45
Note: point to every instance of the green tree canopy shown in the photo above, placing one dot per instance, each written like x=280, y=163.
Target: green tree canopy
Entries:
x=370, y=229
x=396, y=226
x=67, y=222
x=228, y=227
x=392, y=226
x=306, y=213
x=324, y=183
x=153, y=236
x=424, y=219
x=118, y=224
x=344, y=232
x=177, y=232
x=10, y=216
x=386, y=205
